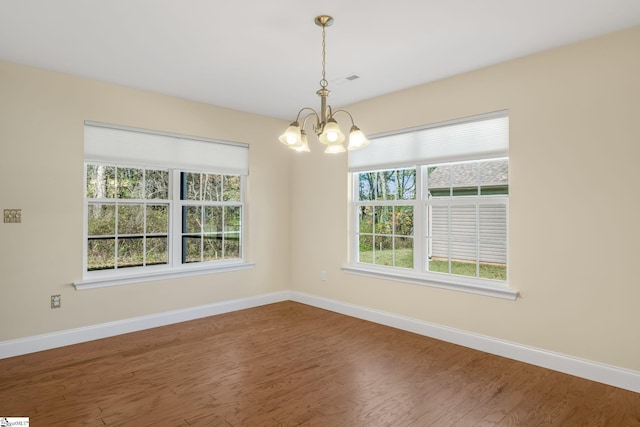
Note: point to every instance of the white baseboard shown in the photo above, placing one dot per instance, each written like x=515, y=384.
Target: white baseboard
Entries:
x=594, y=371
x=611, y=375
x=35, y=343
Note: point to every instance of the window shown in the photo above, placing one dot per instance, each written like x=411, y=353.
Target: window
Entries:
x=211, y=217
x=430, y=206
x=466, y=219
x=386, y=205
x=127, y=217
x=160, y=204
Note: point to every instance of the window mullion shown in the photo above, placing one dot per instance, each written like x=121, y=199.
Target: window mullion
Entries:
x=176, y=220
x=144, y=217
x=479, y=192
x=117, y=236
x=115, y=241
x=419, y=218
x=449, y=238
x=477, y=239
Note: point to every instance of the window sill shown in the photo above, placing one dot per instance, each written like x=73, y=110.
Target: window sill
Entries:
x=446, y=282
x=147, y=276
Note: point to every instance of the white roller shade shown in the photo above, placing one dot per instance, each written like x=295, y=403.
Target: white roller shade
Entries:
x=473, y=138
x=106, y=143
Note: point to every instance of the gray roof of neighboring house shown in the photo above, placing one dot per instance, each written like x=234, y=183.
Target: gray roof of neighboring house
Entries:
x=492, y=173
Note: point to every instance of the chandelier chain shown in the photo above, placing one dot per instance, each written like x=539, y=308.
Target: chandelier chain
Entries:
x=323, y=82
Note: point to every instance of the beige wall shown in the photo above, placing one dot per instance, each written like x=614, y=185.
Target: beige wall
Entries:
x=574, y=233
x=41, y=157
x=574, y=228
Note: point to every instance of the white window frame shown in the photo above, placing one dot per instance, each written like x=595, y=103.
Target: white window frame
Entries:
x=174, y=268
x=419, y=274
x=356, y=204
x=177, y=220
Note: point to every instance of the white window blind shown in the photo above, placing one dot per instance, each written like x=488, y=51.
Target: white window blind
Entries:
x=107, y=143
x=471, y=138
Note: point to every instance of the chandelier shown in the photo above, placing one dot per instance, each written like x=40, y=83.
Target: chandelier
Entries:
x=325, y=126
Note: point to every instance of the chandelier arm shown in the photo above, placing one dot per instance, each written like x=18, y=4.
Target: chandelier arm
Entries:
x=344, y=111
x=329, y=113
x=311, y=114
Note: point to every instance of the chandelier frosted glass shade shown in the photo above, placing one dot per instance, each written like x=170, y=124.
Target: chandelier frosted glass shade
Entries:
x=357, y=139
x=292, y=137
x=304, y=146
x=331, y=134
x=325, y=125
x=334, y=149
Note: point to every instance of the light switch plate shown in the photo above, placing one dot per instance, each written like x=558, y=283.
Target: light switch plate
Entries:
x=12, y=216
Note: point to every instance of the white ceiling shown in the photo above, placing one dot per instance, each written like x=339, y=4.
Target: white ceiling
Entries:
x=264, y=56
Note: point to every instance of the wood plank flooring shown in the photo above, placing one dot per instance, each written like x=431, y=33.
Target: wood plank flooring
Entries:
x=289, y=364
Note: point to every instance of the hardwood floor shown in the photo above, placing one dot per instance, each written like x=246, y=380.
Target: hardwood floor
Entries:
x=289, y=364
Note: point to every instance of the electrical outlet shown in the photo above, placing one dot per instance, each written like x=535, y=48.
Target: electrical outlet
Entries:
x=323, y=276
x=56, y=301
